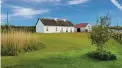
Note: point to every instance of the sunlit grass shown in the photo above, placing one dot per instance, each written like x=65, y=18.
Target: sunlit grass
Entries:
x=65, y=50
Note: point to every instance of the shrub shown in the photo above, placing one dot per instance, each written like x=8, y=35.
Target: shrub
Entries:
x=8, y=50
x=16, y=42
x=100, y=33
x=102, y=55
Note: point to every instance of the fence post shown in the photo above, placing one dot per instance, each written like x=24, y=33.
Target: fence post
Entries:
x=120, y=36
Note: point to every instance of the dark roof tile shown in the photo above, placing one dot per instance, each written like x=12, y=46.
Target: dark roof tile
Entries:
x=53, y=22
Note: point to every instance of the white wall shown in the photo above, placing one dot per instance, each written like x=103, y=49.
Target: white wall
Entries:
x=39, y=27
x=52, y=29
x=88, y=27
x=75, y=29
x=82, y=29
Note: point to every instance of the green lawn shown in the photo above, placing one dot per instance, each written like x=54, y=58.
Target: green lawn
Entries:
x=64, y=51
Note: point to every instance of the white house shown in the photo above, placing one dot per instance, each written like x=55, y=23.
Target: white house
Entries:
x=45, y=25
x=83, y=27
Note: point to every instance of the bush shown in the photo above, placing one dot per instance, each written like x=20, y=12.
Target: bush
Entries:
x=9, y=50
x=102, y=55
x=34, y=46
x=16, y=42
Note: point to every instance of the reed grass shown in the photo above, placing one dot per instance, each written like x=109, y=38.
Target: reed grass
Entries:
x=16, y=42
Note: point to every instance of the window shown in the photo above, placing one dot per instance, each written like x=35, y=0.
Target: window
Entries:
x=56, y=29
x=71, y=30
x=47, y=29
x=67, y=30
x=61, y=29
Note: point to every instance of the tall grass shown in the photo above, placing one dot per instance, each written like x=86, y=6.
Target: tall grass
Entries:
x=16, y=42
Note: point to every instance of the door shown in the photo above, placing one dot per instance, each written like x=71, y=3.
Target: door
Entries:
x=78, y=29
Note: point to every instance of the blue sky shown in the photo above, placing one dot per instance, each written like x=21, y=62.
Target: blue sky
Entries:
x=27, y=12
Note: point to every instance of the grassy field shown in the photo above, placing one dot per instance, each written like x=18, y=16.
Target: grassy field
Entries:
x=64, y=51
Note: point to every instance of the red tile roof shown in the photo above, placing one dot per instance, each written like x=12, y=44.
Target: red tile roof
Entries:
x=81, y=25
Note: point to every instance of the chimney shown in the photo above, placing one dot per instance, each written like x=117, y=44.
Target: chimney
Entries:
x=56, y=19
x=64, y=20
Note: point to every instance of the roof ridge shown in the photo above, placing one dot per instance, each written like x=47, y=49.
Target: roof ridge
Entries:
x=53, y=22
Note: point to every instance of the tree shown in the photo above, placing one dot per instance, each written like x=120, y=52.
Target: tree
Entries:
x=100, y=33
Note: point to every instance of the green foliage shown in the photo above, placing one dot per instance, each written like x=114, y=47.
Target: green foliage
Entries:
x=7, y=28
x=8, y=51
x=117, y=37
x=102, y=55
x=100, y=33
x=33, y=46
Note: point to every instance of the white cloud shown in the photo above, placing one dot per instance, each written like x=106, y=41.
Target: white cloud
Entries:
x=27, y=12
x=33, y=1
x=74, y=2
x=116, y=3
x=41, y=1
x=1, y=1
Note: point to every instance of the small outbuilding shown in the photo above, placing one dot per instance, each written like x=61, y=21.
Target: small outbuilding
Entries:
x=83, y=27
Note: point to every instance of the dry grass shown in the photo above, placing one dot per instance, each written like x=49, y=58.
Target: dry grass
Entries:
x=15, y=42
